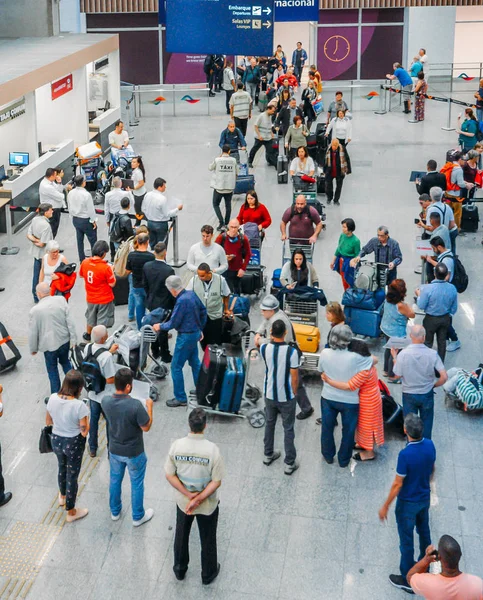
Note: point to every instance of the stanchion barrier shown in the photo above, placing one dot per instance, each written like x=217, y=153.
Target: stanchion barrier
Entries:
x=176, y=262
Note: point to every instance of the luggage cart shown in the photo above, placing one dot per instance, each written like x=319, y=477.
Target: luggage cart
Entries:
x=303, y=312
x=292, y=244
x=251, y=394
x=122, y=158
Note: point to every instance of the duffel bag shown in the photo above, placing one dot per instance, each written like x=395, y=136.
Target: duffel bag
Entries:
x=9, y=353
x=470, y=391
x=364, y=299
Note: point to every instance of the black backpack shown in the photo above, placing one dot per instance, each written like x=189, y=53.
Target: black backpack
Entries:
x=94, y=380
x=460, y=277
x=208, y=64
x=116, y=233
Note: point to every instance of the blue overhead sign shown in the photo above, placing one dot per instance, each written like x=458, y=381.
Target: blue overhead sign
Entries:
x=220, y=27
x=296, y=10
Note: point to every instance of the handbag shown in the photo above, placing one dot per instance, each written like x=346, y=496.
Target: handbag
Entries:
x=45, y=441
x=364, y=299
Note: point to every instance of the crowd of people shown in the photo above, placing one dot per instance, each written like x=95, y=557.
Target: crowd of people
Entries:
x=194, y=466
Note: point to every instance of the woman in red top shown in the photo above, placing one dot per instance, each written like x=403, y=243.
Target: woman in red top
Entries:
x=370, y=425
x=253, y=211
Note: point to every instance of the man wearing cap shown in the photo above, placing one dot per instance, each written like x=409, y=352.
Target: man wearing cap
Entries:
x=272, y=312
x=189, y=319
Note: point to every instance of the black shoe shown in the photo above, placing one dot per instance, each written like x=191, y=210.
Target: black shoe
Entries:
x=305, y=415
x=179, y=576
x=213, y=577
x=211, y=94
x=86, y=336
x=318, y=421
x=2, y=289
x=250, y=165
x=46, y=399
x=167, y=359
x=329, y=461
x=174, y=403
x=7, y=496
x=336, y=202
x=221, y=228
x=400, y=582
x=93, y=453
x=329, y=201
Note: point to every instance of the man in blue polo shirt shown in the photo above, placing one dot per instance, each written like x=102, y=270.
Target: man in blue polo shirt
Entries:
x=405, y=82
x=280, y=387
x=411, y=487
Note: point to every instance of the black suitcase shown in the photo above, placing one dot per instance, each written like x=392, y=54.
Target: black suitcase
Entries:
x=321, y=184
x=470, y=218
x=252, y=281
x=392, y=412
x=319, y=207
x=9, y=353
x=282, y=169
x=210, y=379
x=121, y=291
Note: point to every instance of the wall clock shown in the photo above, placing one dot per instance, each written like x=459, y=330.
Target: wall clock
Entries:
x=337, y=48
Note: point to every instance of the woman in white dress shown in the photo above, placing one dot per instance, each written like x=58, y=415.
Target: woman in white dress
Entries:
x=51, y=260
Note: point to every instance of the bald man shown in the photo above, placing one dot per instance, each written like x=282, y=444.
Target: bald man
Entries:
x=233, y=137
x=421, y=370
x=51, y=331
x=100, y=354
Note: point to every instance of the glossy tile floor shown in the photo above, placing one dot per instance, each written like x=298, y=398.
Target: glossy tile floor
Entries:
x=313, y=535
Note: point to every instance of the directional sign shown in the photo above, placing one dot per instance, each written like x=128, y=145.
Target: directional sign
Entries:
x=220, y=27
x=296, y=10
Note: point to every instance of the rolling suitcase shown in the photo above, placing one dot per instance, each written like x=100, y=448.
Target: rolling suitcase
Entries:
x=364, y=322
x=210, y=379
x=312, y=145
x=276, y=283
x=282, y=169
x=470, y=218
x=307, y=336
x=121, y=291
x=244, y=183
x=252, y=281
x=232, y=386
x=321, y=184
x=392, y=412
x=9, y=353
x=242, y=163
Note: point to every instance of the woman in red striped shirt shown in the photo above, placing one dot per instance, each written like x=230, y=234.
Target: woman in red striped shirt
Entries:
x=370, y=425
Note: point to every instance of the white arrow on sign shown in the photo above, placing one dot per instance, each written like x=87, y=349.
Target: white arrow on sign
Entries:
x=267, y=24
x=267, y=10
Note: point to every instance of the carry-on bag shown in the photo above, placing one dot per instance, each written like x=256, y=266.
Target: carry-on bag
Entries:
x=252, y=281
x=121, y=291
x=244, y=183
x=208, y=386
x=392, y=412
x=365, y=299
x=470, y=218
x=307, y=336
x=282, y=169
x=364, y=322
x=232, y=386
x=9, y=353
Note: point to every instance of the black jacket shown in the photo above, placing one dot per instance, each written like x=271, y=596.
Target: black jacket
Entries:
x=157, y=294
x=430, y=180
x=283, y=119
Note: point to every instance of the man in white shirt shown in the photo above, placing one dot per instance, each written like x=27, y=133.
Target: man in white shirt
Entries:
x=157, y=213
x=39, y=233
x=208, y=252
x=107, y=366
x=229, y=84
x=119, y=138
x=423, y=59
x=112, y=203
x=51, y=193
x=83, y=213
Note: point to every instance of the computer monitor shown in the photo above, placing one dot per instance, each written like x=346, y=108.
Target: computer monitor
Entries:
x=18, y=159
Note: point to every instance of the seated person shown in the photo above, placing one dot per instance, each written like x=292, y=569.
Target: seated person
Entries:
x=302, y=164
x=298, y=272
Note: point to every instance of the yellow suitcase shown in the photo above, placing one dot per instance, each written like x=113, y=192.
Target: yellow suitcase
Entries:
x=307, y=336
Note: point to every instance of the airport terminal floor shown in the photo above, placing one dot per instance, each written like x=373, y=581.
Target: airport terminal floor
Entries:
x=315, y=534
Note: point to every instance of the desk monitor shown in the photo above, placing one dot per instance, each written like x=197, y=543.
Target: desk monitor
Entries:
x=18, y=159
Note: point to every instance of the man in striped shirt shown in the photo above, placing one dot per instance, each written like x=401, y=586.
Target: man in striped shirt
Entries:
x=281, y=382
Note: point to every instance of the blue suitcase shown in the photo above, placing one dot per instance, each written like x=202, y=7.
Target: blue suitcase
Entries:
x=241, y=308
x=232, y=386
x=255, y=257
x=244, y=183
x=364, y=322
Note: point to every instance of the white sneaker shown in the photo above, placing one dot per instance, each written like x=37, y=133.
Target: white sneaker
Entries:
x=289, y=469
x=452, y=346
x=115, y=517
x=418, y=270
x=148, y=515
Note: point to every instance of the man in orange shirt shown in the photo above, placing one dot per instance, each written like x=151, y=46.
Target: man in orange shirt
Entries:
x=99, y=281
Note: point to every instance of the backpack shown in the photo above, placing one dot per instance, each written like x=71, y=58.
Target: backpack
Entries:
x=306, y=210
x=116, y=231
x=446, y=171
x=120, y=258
x=250, y=230
x=91, y=370
x=208, y=64
x=460, y=277
x=479, y=131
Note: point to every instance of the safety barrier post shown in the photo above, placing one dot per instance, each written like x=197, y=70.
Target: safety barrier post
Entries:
x=176, y=262
x=352, y=96
x=174, y=99
x=381, y=110
x=9, y=249
x=448, y=125
x=139, y=100
x=134, y=101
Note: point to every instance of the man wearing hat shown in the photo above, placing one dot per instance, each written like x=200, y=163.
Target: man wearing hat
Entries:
x=272, y=312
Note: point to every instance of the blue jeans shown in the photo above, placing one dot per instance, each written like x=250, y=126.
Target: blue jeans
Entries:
x=139, y=296
x=52, y=360
x=186, y=349
x=83, y=227
x=479, y=114
x=131, y=305
x=423, y=406
x=35, y=277
x=136, y=467
x=408, y=516
x=350, y=413
x=453, y=235
x=96, y=412
x=158, y=232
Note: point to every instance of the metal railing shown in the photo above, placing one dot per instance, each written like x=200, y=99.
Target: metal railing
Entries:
x=139, y=93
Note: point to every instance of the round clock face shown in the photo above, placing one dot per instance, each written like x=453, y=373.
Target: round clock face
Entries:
x=337, y=48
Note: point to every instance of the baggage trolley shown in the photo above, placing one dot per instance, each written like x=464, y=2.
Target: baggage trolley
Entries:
x=250, y=396
x=292, y=244
x=306, y=188
x=122, y=158
x=370, y=275
x=303, y=312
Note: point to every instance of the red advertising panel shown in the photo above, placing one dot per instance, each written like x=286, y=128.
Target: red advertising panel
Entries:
x=61, y=86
